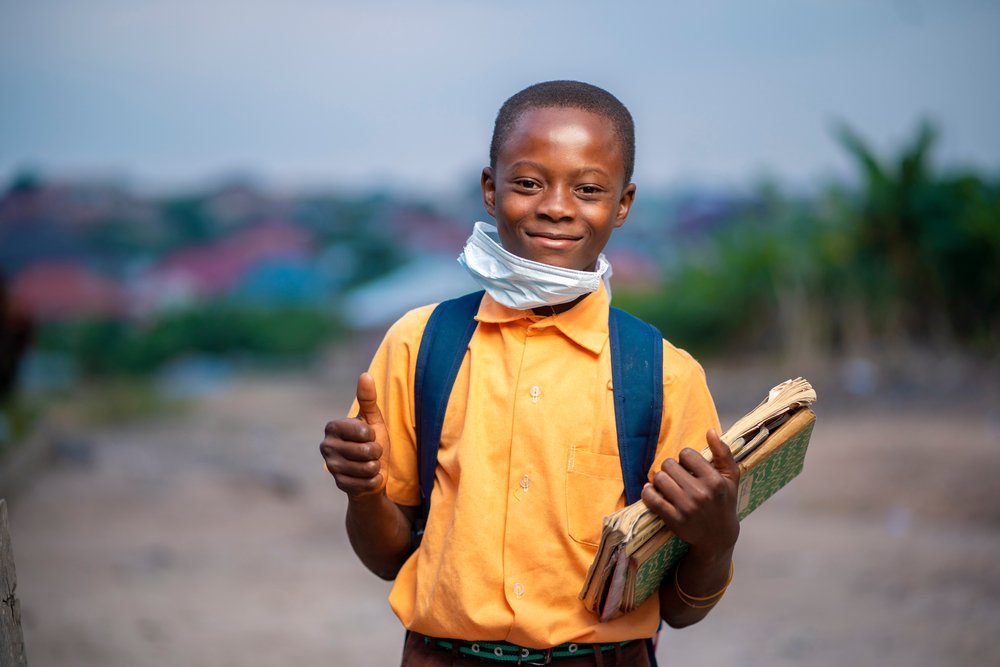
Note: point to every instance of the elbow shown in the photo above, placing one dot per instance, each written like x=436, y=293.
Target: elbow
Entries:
x=385, y=569
x=679, y=623
x=682, y=618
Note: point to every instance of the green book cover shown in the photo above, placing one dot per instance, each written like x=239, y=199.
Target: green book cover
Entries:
x=776, y=465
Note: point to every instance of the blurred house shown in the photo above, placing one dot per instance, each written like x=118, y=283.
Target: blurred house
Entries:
x=430, y=279
x=66, y=290
x=632, y=269
x=427, y=232
x=284, y=281
x=240, y=203
x=24, y=243
x=198, y=273
x=700, y=211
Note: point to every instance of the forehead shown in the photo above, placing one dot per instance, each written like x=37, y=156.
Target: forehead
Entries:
x=563, y=129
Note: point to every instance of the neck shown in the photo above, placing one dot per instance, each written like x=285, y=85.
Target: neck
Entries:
x=546, y=311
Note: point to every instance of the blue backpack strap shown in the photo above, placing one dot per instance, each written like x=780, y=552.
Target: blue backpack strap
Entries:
x=442, y=348
x=637, y=377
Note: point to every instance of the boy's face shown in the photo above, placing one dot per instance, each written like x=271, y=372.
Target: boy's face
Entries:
x=557, y=191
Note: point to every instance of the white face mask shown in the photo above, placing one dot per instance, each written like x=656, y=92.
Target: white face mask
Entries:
x=520, y=283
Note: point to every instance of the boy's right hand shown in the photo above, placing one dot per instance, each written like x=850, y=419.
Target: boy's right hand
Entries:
x=354, y=450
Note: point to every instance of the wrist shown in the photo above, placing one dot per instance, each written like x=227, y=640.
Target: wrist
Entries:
x=364, y=500
x=712, y=554
x=706, y=601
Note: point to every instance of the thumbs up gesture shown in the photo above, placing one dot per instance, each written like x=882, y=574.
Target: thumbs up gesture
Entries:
x=355, y=450
x=697, y=499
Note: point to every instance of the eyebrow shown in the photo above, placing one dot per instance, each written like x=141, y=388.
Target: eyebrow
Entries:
x=579, y=172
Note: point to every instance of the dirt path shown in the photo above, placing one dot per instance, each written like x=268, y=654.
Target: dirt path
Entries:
x=215, y=538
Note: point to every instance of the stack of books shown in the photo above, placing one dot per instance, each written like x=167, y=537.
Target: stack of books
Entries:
x=637, y=550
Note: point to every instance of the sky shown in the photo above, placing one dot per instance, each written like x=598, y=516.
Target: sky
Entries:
x=302, y=93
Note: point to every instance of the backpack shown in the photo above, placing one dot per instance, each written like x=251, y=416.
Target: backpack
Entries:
x=637, y=380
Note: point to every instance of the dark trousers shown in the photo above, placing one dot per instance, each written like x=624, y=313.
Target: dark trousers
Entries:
x=417, y=653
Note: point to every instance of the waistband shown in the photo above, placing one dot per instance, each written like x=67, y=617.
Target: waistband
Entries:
x=519, y=655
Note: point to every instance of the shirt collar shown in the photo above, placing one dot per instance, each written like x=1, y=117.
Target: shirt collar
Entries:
x=586, y=323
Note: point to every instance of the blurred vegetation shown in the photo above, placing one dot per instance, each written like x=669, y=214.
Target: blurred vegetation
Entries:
x=909, y=256
x=119, y=400
x=906, y=254
x=117, y=348
x=17, y=417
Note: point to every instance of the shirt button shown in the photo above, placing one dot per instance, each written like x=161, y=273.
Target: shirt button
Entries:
x=535, y=392
x=525, y=482
x=519, y=590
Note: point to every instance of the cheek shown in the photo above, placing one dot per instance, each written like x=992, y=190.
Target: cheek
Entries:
x=509, y=215
x=508, y=236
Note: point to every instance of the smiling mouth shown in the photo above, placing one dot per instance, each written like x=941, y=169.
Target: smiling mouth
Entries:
x=553, y=241
x=558, y=239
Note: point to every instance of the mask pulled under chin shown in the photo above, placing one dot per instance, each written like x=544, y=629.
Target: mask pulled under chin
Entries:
x=520, y=283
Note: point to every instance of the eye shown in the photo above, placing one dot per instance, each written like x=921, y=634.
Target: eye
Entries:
x=525, y=183
x=589, y=190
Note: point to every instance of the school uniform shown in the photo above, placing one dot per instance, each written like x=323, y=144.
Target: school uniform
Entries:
x=527, y=468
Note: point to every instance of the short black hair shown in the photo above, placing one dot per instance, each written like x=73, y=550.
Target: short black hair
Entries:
x=567, y=94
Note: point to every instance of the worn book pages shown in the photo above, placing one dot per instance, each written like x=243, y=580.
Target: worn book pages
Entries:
x=636, y=550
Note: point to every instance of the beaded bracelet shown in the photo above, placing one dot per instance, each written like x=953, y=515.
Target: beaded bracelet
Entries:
x=711, y=600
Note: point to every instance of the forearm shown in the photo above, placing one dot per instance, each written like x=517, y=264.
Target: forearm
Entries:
x=379, y=531
x=699, y=576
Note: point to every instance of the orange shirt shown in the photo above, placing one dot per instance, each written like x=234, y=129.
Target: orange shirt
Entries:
x=527, y=468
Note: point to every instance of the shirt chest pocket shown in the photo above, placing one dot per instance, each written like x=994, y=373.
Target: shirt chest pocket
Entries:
x=594, y=489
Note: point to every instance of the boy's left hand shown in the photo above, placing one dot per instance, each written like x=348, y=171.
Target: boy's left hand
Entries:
x=697, y=499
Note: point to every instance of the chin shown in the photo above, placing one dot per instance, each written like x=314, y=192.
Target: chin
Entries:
x=561, y=262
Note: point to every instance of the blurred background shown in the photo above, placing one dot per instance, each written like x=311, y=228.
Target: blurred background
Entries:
x=211, y=211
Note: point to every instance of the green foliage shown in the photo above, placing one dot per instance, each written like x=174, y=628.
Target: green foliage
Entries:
x=732, y=288
x=927, y=245
x=117, y=348
x=123, y=399
x=911, y=255
x=17, y=417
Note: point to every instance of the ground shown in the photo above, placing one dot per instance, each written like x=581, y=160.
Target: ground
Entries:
x=215, y=537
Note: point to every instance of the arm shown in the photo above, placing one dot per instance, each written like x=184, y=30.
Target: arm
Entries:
x=354, y=451
x=697, y=501
x=379, y=531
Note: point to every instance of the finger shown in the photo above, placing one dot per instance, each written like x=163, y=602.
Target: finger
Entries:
x=696, y=464
x=661, y=506
x=349, y=430
x=353, y=469
x=364, y=451
x=675, y=484
x=367, y=399
x=722, y=458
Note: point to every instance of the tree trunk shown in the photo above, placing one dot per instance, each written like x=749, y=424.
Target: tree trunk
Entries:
x=11, y=637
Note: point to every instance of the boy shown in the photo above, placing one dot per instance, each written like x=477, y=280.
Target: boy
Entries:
x=528, y=461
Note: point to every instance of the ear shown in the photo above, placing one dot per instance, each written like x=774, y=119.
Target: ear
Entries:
x=489, y=191
x=625, y=204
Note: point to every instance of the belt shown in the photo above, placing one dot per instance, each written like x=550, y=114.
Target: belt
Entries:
x=519, y=655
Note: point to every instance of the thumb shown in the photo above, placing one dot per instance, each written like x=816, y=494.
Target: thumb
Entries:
x=369, y=410
x=722, y=457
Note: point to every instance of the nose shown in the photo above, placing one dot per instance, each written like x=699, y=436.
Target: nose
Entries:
x=556, y=204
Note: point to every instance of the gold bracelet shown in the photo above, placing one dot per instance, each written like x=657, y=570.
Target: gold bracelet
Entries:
x=712, y=599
